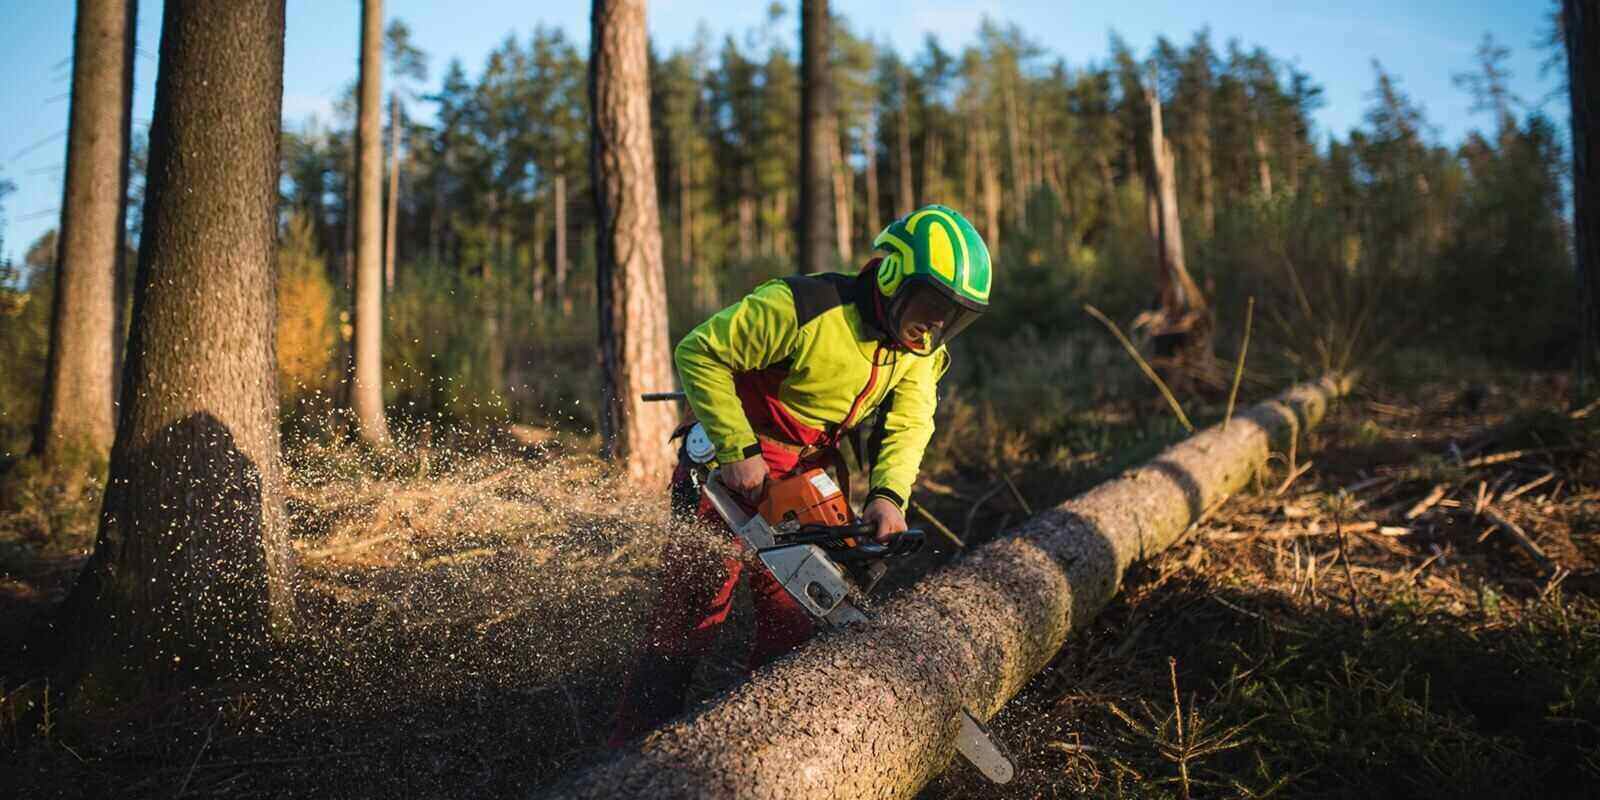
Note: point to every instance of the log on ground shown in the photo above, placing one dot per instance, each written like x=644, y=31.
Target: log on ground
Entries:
x=871, y=711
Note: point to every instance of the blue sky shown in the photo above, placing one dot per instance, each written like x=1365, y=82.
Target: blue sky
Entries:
x=1422, y=42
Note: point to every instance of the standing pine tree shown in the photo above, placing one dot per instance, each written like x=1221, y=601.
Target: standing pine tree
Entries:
x=76, y=419
x=631, y=283
x=190, y=574
x=366, y=385
x=1580, y=22
x=818, y=139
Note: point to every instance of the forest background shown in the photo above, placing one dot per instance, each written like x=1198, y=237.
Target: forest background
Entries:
x=1457, y=252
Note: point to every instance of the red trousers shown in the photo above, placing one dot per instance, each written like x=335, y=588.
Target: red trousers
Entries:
x=696, y=593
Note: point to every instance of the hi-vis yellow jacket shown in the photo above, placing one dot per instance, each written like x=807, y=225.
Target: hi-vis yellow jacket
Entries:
x=801, y=360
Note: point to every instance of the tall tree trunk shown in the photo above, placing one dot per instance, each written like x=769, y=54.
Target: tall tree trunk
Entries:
x=933, y=166
x=190, y=577
x=818, y=140
x=906, y=200
x=366, y=386
x=76, y=422
x=870, y=711
x=391, y=224
x=685, y=216
x=874, y=209
x=1581, y=26
x=536, y=263
x=1263, y=164
x=747, y=225
x=630, y=279
x=561, y=245
x=1208, y=205
x=1183, y=329
x=1019, y=199
x=969, y=172
x=989, y=174
x=843, y=184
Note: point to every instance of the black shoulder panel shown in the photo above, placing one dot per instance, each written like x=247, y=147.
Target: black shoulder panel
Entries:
x=814, y=295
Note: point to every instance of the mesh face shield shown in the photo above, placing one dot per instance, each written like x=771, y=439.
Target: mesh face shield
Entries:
x=925, y=315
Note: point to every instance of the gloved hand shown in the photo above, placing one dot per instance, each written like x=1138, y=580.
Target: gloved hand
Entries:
x=886, y=516
x=747, y=476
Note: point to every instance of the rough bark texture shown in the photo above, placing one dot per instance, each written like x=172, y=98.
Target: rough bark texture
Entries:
x=76, y=418
x=1581, y=24
x=630, y=278
x=366, y=386
x=392, y=218
x=190, y=574
x=871, y=712
x=817, y=140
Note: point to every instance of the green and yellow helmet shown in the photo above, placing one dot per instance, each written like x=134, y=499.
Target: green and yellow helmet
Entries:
x=934, y=278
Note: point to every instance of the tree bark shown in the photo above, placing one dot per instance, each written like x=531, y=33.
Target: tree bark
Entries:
x=630, y=279
x=818, y=140
x=843, y=184
x=366, y=385
x=190, y=577
x=989, y=175
x=76, y=420
x=1182, y=329
x=907, y=198
x=871, y=711
x=390, y=224
x=870, y=218
x=561, y=245
x=1263, y=165
x=1581, y=26
x=1018, y=176
x=1208, y=205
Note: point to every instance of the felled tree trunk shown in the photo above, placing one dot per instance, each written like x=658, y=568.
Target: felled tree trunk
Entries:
x=871, y=712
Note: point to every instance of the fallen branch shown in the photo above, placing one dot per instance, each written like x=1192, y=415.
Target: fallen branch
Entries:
x=1149, y=372
x=1521, y=538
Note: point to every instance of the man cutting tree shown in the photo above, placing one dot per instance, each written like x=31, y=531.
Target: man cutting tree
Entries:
x=777, y=380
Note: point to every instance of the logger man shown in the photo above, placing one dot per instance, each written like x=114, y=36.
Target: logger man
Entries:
x=777, y=380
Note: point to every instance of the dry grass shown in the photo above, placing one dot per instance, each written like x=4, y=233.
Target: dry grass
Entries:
x=470, y=616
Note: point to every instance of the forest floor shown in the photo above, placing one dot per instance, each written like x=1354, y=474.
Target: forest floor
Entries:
x=1361, y=622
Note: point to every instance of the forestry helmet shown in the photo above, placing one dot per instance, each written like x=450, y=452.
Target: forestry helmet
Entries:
x=934, y=278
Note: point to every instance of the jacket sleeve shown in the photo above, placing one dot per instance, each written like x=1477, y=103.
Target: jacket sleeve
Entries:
x=752, y=334
x=907, y=427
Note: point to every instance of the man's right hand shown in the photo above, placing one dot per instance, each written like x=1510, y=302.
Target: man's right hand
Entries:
x=747, y=476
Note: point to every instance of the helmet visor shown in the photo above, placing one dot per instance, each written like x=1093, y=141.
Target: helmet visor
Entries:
x=925, y=318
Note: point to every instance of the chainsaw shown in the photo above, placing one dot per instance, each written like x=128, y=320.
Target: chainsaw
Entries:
x=804, y=533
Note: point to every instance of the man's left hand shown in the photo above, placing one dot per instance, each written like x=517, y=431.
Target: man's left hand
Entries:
x=886, y=516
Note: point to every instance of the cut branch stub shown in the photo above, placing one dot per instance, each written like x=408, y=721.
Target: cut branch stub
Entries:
x=871, y=711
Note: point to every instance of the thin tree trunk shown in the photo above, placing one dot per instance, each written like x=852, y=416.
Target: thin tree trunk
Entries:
x=906, y=200
x=874, y=209
x=932, y=165
x=631, y=280
x=77, y=423
x=561, y=245
x=843, y=184
x=1581, y=26
x=969, y=172
x=685, y=216
x=391, y=224
x=871, y=711
x=536, y=263
x=818, y=140
x=989, y=174
x=190, y=578
x=366, y=387
x=1018, y=180
x=1263, y=165
x=747, y=224
x=1208, y=206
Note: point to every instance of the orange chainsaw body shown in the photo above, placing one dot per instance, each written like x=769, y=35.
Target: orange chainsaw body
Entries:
x=810, y=498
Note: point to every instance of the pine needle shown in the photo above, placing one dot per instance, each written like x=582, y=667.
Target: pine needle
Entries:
x=1144, y=365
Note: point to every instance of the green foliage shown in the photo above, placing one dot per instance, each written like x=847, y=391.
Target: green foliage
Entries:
x=26, y=296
